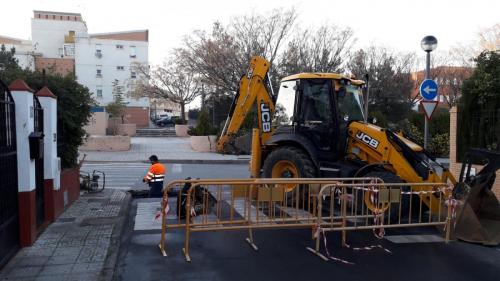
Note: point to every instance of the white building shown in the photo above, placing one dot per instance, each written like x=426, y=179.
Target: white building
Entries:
x=53, y=33
x=97, y=60
x=24, y=52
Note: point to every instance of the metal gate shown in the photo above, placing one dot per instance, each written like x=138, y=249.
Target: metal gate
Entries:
x=40, y=202
x=9, y=211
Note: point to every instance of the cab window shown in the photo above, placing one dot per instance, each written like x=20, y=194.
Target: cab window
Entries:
x=316, y=106
x=285, y=104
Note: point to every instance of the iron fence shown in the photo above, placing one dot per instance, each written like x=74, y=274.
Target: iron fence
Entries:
x=9, y=211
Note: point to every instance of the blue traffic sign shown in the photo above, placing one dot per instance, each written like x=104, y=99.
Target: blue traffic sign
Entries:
x=429, y=89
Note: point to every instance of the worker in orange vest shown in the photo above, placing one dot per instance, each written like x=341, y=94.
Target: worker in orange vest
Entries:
x=155, y=177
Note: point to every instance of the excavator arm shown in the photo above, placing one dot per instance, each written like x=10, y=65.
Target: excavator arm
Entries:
x=252, y=90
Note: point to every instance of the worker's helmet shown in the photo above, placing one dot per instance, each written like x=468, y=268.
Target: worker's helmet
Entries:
x=153, y=158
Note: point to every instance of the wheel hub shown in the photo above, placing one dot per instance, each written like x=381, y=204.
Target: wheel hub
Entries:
x=285, y=169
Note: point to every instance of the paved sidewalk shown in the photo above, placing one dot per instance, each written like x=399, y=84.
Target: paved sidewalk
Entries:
x=82, y=244
x=168, y=149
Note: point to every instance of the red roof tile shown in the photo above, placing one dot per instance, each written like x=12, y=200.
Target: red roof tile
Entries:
x=45, y=92
x=20, y=85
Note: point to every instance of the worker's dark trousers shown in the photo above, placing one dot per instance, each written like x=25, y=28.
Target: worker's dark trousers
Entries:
x=156, y=189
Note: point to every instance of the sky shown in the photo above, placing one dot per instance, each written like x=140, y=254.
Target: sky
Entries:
x=399, y=25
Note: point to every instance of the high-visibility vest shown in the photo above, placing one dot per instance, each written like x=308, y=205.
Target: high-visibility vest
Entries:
x=156, y=173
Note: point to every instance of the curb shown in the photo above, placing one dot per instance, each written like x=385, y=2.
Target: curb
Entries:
x=181, y=161
x=107, y=272
x=207, y=161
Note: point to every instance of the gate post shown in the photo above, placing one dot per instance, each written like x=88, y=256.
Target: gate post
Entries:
x=50, y=161
x=23, y=98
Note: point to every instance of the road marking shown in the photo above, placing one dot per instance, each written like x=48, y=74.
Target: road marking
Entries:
x=177, y=168
x=239, y=207
x=400, y=239
x=145, y=216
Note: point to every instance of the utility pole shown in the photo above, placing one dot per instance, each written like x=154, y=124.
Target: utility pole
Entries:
x=427, y=75
x=428, y=44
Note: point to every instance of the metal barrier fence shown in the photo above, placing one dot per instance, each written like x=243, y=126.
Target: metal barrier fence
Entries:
x=379, y=206
x=324, y=204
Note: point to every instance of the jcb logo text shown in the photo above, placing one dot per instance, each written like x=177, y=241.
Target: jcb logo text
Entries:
x=265, y=117
x=367, y=139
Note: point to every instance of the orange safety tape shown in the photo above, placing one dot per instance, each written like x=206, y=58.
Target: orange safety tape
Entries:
x=317, y=234
x=165, y=210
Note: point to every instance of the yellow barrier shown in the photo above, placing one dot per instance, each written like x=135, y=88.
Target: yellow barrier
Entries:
x=381, y=205
x=238, y=204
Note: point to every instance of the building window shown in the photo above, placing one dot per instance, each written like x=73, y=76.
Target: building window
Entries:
x=69, y=50
x=133, y=74
x=98, y=71
x=98, y=50
x=99, y=93
x=119, y=47
x=132, y=52
x=120, y=68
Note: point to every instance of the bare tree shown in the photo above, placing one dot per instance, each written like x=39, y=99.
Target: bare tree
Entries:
x=390, y=80
x=463, y=54
x=489, y=38
x=171, y=81
x=222, y=56
x=213, y=57
x=323, y=49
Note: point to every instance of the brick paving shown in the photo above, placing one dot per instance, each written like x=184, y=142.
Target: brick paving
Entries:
x=80, y=245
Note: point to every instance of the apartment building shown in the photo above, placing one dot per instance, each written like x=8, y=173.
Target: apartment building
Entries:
x=62, y=44
x=107, y=58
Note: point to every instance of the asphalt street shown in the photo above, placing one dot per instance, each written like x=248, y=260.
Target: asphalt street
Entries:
x=127, y=176
x=224, y=255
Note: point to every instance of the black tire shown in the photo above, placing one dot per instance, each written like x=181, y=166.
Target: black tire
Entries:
x=389, y=177
x=303, y=164
x=295, y=155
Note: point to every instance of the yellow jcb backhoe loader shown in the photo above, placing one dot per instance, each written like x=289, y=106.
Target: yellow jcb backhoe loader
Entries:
x=316, y=127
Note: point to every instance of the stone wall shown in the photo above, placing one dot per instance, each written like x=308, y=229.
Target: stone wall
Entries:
x=98, y=122
x=138, y=116
x=58, y=65
x=126, y=130
x=106, y=143
x=455, y=166
x=203, y=143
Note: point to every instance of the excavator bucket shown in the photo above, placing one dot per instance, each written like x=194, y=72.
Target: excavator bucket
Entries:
x=478, y=220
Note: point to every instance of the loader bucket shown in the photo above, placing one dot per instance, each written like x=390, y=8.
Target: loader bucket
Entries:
x=478, y=220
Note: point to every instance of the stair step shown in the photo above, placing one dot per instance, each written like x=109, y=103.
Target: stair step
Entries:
x=155, y=132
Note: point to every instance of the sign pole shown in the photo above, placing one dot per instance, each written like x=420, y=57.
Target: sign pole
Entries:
x=427, y=74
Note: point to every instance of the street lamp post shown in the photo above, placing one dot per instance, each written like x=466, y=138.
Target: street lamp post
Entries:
x=428, y=44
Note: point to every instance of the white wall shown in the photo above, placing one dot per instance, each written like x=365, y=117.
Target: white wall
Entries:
x=24, y=54
x=48, y=35
x=50, y=161
x=86, y=64
x=24, y=127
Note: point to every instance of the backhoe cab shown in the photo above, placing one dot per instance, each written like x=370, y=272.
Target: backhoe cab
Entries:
x=313, y=113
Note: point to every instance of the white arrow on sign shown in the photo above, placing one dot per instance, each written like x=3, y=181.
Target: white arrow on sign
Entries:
x=428, y=89
x=429, y=107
